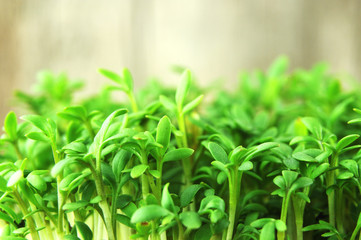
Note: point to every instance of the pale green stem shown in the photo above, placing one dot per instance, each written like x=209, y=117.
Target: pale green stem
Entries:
x=61, y=196
x=299, y=208
x=89, y=129
x=144, y=178
x=17, y=150
x=354, y=233
x=180, y=230
x=103, y=204
x=133, y=101
x=330, y=179
x=29, y=219
x=285, y=202
x=233, y=193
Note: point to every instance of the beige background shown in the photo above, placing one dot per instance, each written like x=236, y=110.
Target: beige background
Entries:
x=216, y=39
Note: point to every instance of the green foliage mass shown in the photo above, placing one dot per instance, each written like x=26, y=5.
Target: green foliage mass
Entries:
x=278, y=157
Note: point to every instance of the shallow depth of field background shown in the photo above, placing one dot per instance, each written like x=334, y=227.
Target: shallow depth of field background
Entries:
x=214, y=38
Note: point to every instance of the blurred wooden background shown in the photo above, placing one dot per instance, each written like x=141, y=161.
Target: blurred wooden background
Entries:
x=214, y=38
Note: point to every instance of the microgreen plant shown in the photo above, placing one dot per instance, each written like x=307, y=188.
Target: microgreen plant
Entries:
x=277, y=158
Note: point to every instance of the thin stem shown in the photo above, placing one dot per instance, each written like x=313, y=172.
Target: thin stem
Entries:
x=291, y=218
x=285, y=202
x=331, y=198
x=77, y=215
x=133, y=101
x=180, y=230
x=17, y=150
x=159, y=180
x=339, y=211
x=61, y=202
x=182, y=128
x=101, y=192
x=187, y=166
x=61, y=196
x=299, y=209
x=144, y=178
x=154, y=235
x=354, y=233
x=38, y=220
x=29, y=219
x=153, y=187
x=89, y=129
x=233, y=185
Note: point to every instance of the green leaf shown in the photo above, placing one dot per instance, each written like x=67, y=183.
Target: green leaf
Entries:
x=10, y=212
x=191, y=220
x=344, y=142
x=183, y=88
x=155, y=173
x=124, y=220
x=120, y=160
x=301, y=183
x=321, y=226
x=7, y=218
x=351, y=165
x=84, y=230
x=345, y=175
x=128, y=79
x=218, y=152
x=167, y=201
x=204, y=233
x=37, y=136
x=15, y=178
x=289, y=177
x=71, y=237
x=76, y=146
x=163, y=133
x=279, y=192
x=149, y=213
x=10, y=125
x=188, y=194
x=278, y=67
x=95, y=200
x=178, y=154
x=252, y=194
x=37, y=182
x=68, y=180
x=314, y=126
x=39, y=122
x=260, y=148
x=73, y=206
x=306, y=139
x=220, y=166
x=138, y=170
x=280, y=182
x=167, y=103
x=259, y=223
x=100, y=137
x=108, y=174
x=268, y=231
x=211, y=202
x=280, y=226
x=246, y=166
x=28, y=193
x=303, y=196
x=59, y=166
x=221, y=177
x=74, y=113
x=302, y=156
x=111, y=75
x=320, y=170
x=193, y=104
